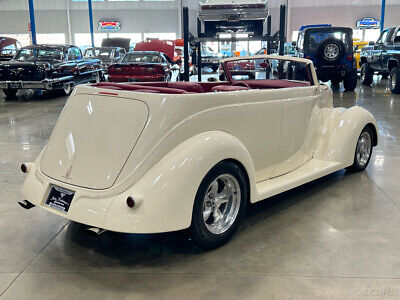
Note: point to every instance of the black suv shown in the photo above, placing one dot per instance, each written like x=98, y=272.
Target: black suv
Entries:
x=331, y=50
x=383, y=57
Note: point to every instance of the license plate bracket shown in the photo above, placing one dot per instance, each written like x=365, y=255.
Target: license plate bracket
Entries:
x=59, y=198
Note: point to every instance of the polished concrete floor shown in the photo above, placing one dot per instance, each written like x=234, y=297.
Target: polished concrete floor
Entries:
x=335, y=238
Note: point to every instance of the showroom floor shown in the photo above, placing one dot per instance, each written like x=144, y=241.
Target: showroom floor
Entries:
x=337, y=237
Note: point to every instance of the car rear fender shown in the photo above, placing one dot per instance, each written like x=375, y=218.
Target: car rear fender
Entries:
x=165, y=194
x=339, y=139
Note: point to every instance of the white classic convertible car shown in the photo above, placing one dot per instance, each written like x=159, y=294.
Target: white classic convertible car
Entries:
x=165, y=156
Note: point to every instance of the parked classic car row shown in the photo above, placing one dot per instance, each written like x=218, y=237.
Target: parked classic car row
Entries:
x=48, y=67
x=61, y=67
x=210, y=158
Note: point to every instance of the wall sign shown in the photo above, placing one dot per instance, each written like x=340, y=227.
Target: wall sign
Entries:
x=109, y=26
x=368, y=23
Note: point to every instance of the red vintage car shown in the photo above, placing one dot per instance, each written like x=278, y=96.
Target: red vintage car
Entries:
x=141, y=66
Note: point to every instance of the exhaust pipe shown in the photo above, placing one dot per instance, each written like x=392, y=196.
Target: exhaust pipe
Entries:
x=26, y=204
x=96, y=230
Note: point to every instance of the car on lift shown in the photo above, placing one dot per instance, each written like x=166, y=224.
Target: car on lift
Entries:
x=331, y=50
x=383, y=57
x=49, y=68
x=166, y=156
x=141, y=66
x=107, y=55
x=8, y=48
x=233, y=16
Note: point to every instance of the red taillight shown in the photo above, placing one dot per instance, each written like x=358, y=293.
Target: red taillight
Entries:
x=349, y=57
x=130, y=202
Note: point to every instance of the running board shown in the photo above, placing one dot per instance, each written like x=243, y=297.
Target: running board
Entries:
x=310, y=171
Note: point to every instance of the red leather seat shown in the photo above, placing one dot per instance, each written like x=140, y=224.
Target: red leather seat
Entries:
x=192, y=87
x=228, y=88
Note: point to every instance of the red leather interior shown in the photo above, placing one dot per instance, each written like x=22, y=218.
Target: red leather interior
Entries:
x=273, y=84
x=228, y=88
x=134, y=87
x=201, y=87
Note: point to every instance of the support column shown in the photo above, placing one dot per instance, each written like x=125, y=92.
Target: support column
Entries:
x=32, y=20
x=70, y=40
x=91, y=21
x=383, y=11
x=186, y=43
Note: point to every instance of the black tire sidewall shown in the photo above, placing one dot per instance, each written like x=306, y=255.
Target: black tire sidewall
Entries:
x=321, y=49
x=199, y=232
x=10, y=93
x=368, y=74
x=396, y=89
x=350, y=82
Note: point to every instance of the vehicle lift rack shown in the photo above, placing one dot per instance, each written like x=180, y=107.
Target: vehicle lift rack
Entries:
x=189, y=39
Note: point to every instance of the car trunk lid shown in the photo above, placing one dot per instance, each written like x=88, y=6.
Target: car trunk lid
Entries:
x=92, y=140
x=15, y=71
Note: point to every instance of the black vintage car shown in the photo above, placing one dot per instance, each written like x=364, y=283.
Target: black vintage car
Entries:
x=107, y=55
x=383, y=57
x=48, y=67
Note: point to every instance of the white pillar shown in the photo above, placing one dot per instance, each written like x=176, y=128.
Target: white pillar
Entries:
x=70, y=38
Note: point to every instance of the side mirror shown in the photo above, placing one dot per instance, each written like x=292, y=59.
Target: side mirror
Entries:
x=371, y=43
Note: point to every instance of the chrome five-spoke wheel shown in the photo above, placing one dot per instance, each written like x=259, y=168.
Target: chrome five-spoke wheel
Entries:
x=221, y=204
x=362, y=156
x=364, y=146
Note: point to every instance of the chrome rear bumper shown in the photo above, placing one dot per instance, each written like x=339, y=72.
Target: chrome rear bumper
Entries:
x=48, y=84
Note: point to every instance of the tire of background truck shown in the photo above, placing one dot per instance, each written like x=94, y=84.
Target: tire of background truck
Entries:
x=10, y=93
x=395, y=80
x=331, y=51
x=367, y=74
x=350, y=82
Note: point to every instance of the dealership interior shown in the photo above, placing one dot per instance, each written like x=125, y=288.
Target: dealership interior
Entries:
x=77, y=76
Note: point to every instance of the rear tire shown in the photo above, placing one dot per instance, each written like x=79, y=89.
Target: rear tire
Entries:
x=224, y=182
x=350, y=82
x=367, y=74
x=395, y=80
x=363, y=151
x=10, y=93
